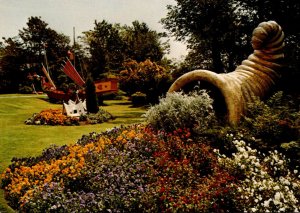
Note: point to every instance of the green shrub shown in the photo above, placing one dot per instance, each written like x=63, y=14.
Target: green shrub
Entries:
x=138, y=99
x=272, y=122
x=179, y=110
x=91, y=97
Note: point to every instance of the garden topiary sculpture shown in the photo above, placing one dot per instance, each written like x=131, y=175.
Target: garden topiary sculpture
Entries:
x=254, y=77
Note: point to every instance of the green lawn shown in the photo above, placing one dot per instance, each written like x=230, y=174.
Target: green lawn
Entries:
x=20, y=140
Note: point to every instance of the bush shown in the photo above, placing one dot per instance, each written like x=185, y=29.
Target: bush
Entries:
x=96, y=118
x=146, y=77
x=91, y=97
x=138, y=99
x=179, y=110
x=272, y=122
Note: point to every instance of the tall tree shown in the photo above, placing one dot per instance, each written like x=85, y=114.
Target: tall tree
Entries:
x=206, y=25
x=11, y=65
x=109, y=45
x=38, y=39
x=105, y=47
x=287, y=14
x=91, y=97
x=143, y=43
x=24, y=53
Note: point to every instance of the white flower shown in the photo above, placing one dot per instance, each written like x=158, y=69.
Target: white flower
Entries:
x=282, y=209
x=267, y=203
x=295, y=171
x=295, y=185
x=280, y=162
x=253, y=209
x=277, y=197
x=276, y=188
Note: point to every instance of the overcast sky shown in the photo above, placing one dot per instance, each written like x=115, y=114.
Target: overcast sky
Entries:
x=63, y=15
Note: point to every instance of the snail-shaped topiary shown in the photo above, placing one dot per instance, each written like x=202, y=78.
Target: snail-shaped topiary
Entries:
x=254, y=77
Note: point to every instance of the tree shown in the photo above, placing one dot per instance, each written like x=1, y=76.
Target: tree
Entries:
x=218, y=32
x=38, y=39
x=24, y=53
x=91, y=97
x=105, y=47
x=147, y=77
x=12, y=63
x=109, y=45
x=287, y=15
x=208, y=27
x=143, y=43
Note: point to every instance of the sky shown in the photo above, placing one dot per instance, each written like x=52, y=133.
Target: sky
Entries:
x=64, y=15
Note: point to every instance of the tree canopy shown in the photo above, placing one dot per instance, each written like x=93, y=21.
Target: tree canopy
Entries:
x=218, y=32
x=109, y=45
x=23, y=54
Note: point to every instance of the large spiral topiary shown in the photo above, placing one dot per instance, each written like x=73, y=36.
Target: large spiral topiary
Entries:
x=254, y=77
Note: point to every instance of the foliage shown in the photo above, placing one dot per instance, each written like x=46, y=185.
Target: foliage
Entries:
x=179, y=110
x=207, y=26
x=143, y=168
x=137, y=168
x=97, y=118
x=105, y=47
x=138, y=99
x=129, y=168
x=218, y=33
x=109, y=45
x=273, y=122
x=147, y=77
x=91, y=97
x=143, y=43
x=23, y=54
x=26, y=90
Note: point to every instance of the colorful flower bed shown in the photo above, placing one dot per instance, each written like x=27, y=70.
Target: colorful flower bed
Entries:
x=57, y=117
x=167, y=165
x=137, y=168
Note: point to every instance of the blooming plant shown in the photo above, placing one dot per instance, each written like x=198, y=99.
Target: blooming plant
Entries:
x=57, y=117
x=164, y=166
x=266, y=184
x=52, y=117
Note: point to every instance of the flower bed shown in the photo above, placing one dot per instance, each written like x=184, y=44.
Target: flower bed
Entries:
x=186, y=167
x=136, y=168
x=56, y=117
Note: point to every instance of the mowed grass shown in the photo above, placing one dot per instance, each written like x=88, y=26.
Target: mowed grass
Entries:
x=20, y=140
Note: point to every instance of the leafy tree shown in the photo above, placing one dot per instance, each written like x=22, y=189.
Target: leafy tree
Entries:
x=209, y=27
x=143, y=43
x=109, y=45
x=105, y=47
x=24, y=53
x=91, y=97
x=287, y=14
x=147, y=77
x=218, y=32
x=11, y=65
